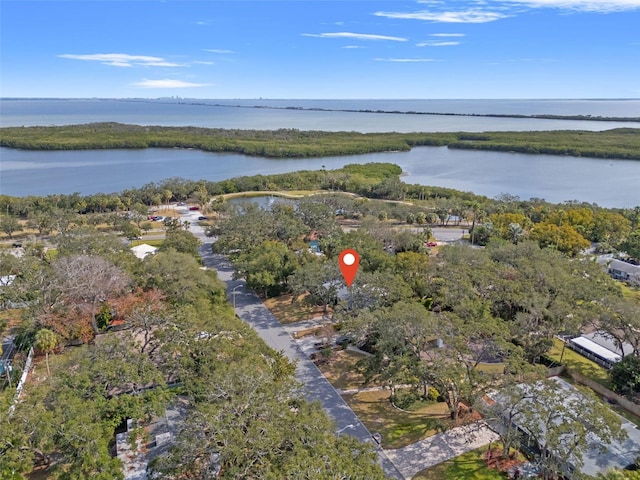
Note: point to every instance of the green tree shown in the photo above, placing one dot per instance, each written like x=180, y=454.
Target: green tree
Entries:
x=631, y=245
x=129, y=230
x=266, y=267
x=319, y=216
x=46, y=341
x=610, y=227
x=179, y=276
x=413, y=267
x=563, y=238
x=43, y=221
x=566, y=422
x=139, y=213
x=9, y=225
x=167, y=195
x=625, y=375
x=181, y=241
x=320, y=280
x=255, y=428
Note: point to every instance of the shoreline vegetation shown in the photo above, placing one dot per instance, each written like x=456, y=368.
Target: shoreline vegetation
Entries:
x=619, y=143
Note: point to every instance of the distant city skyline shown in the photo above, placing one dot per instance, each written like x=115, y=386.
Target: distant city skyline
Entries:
x=325, y=49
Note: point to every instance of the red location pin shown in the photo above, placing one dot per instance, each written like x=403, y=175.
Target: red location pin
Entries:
x=349, y=261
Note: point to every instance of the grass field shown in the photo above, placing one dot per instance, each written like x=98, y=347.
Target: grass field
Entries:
x=153, y=243
x=576, y=362
x=287, y=194
x=492, y=368
x=398, y=428
x=630, y=292
x=469, y=466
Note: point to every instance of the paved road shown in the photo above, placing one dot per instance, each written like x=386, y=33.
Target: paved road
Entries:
x=250, y=308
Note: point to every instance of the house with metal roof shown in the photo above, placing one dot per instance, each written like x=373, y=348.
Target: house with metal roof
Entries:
x=600, y=347
x=625, y=271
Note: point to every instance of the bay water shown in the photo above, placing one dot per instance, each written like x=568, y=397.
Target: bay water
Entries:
x=609, y=183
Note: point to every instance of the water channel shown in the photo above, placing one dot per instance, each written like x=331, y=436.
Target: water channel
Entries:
x=609, y=183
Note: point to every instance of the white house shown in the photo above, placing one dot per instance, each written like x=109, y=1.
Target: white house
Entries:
x=142, y=250
x=624, y=271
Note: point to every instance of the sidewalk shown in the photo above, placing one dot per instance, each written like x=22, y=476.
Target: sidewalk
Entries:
x=440, y=447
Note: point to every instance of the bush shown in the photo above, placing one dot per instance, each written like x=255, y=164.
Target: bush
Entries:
x=433, y=395
x=404, y=398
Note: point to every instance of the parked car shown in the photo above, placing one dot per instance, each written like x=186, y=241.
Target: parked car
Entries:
x=202, y=217
x=432, y=244
x=194, y=208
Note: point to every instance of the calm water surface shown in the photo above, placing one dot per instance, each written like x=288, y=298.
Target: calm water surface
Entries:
x=209, y=113
x=609, y=183
x=612, y=183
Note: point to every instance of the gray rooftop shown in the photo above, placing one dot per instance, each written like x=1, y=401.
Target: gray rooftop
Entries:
x=606, y=340
x=599, y=457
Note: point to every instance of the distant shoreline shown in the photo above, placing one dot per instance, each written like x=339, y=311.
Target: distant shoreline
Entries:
x=590, y=118
x=230, y=104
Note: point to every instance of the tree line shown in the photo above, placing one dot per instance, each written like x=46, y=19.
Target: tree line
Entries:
x=435, y=322
x=125, y=338
x=615, y=143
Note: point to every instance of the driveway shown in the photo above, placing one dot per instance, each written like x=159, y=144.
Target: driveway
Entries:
x=250, y=309
x=440, y=447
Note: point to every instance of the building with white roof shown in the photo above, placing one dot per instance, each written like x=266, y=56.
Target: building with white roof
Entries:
x=142, y=250
x=600, y=347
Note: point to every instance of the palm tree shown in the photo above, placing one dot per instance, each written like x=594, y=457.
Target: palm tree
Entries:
x=166, y=196
x=46, y=341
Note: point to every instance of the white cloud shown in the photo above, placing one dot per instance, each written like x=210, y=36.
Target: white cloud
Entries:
x=595, y=6
x=460, y=16
x=483, y=11
x=436, y=44
x=168, y=83
x=122, y=60
x=353, y=46
x=217, y=50
x=202, y=62
x=405, y=60
x=447, y=35
x=357, y=36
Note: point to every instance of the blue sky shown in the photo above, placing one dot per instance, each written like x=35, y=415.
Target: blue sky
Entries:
x=321, y=49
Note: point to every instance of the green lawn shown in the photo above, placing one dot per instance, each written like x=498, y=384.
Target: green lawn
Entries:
x=492, y=368
x=576, y=362
x=153, y=243
x=262, y=193
x=398, y=428
x=630, y=292
x=469, y=466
